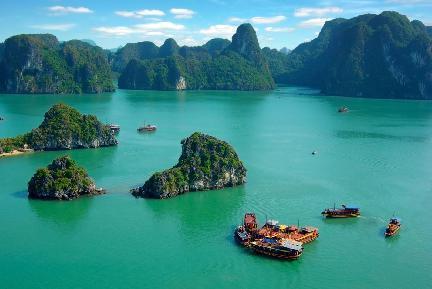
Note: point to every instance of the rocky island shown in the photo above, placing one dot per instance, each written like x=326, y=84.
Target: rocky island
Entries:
x=63, y=179
x=63, y=128
x=206, y=163
x=39, y=63
x=219, y=64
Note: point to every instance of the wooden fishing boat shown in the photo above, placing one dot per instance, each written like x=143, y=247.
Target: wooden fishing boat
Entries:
x=147, y=128
x=280, y=249
x=393, y=227
x=272, y=229
x=347, y=211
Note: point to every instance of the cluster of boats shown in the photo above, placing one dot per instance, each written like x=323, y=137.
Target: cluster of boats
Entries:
x=274, y=239
x=115, y=128
x=286, y=242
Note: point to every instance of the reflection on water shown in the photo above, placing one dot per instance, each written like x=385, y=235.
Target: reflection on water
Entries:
x=61, y=213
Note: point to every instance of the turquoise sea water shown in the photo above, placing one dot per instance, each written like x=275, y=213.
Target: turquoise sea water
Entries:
x=378, y=156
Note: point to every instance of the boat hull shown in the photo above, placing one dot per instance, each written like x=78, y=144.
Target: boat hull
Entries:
x=275, y=253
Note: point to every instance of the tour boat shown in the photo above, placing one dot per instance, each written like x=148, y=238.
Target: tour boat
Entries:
x=393, y=227
x=148, y=127
x=272, y=229
x=280, y=249
x=115, y=128
x=343, y=109
x=347, y=211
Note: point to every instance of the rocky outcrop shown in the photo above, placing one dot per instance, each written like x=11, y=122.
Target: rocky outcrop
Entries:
x=206, y=163
x=64, y=128
x=376, y=56
x=39, y=63
x=61, y=180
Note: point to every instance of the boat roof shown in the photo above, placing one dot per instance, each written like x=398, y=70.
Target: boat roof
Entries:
x=351, y=207
x=396, y=219
x=272, y=222
x=291, y=244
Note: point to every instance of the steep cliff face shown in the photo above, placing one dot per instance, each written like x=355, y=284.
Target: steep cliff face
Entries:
x=382, y=56
x=206, y=163
x=216, y=65
x=38, y=63
x=64, y=128
x=61, y=180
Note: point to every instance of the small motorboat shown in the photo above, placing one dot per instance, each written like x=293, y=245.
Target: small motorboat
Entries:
x=242, y=236
x=314, y=152
x=347, y=211
x=1, y=118
x=393, y=227
x=147, y=128
x=343, y=109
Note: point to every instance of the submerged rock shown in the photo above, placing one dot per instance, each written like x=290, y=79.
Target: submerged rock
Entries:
x=63, y=179
x=206, y=163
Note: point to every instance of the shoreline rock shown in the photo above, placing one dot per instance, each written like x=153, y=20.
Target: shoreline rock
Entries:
x=63, y=179
x=206, y=163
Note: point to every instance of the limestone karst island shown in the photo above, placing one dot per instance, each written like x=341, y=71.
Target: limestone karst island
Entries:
x=213, y=143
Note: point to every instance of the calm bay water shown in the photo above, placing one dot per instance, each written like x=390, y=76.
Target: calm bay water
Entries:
x=378, y=156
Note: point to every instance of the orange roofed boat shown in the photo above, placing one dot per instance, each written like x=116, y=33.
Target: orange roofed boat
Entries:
x=347, y=211
x=393, y=227
x=272, y=229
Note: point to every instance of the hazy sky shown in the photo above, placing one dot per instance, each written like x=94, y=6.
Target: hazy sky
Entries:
x=113, y=23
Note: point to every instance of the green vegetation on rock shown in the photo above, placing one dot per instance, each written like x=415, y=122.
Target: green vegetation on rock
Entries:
x=382, y=56
x=219, y=64
x=63, y=127
x=63, y=179
x=38, y=63
x=206, y=163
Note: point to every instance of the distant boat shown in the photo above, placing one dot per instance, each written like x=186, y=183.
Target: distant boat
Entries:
x=343, y=109
x=1, y=118
x=115, y=128
x=393, y=227
x=347, y=211
x=147, y=128
x=315, y=152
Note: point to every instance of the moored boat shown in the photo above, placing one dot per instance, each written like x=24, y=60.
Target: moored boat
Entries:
x=393, y=227
x=115, y=128
x=272, y=229
x=347, y=211
x=148, y=127
x=280, y=249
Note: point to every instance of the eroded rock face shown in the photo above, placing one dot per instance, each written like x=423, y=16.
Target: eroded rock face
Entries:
x=65, y=128
x=61, y=180
x=206, y=163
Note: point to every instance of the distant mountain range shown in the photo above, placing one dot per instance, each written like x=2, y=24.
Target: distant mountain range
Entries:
x=378, y=56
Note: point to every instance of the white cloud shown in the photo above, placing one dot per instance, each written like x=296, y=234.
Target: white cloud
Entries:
x=267, y=20
x=237, y=19
x=220, y=30
x=314, y=22
x=316, y=12
x=114, y=30
x=279, y=29
x=54, y=27
x=140, y=13
x=182, y=13
x=150, y=29
x=69, y=9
